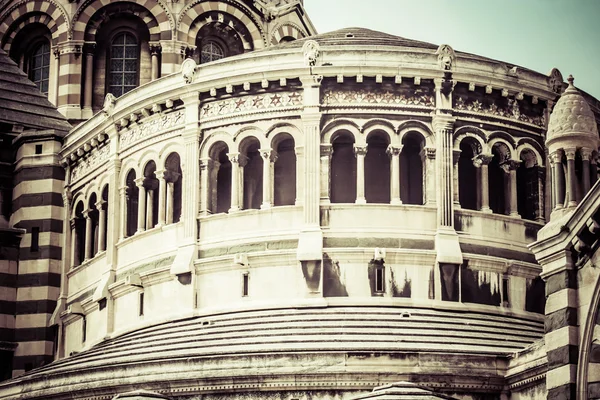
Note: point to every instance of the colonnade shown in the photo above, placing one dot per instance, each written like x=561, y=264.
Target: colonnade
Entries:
x=569, y=188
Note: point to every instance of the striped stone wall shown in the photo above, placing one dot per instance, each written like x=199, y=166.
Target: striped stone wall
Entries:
x=37, y=208
x=562, y=331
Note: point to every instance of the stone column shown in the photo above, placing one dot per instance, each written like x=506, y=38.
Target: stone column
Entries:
x=141, y=204
x=123, y=195
x=149, y=207
x=170, y=201
x=235, y=176
x=593, y=169
x=154, y=53
x=269, y=157
x=571, y=177
x=69, y=88
x=101, y=225
x=88, y=234
x=89, y=77
x=482, y=161
x=360, y=152
x=326, y=153
x=512, y=173
x=162, y=196
x=539, y=215
x=430, y=179
x=559, y=179
x=75, y=261
x=208, y=180
x=586, y=154
x=394, y=152
x=455, y=158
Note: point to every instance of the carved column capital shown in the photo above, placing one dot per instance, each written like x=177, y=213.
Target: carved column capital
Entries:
x=86, y=213
x=556, y=156
x=155, y=49
x=360, y=150
x=570, y=153
x=326, y=150
x=510, y=165
x=139, y=182
x=456, y=155
x=100, y=204
x=394, y=151
x=482, y=159
x=586, y=153
x=268, y=155
x=430, y=152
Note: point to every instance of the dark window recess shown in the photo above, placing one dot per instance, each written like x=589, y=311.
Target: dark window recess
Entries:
x=6, y=360
x=449, y=281
x=245, y=284
x=141, y=311
x=28, y=366
x=83, y=330
x=35, y=239
x=38, y=149
x=379, y=279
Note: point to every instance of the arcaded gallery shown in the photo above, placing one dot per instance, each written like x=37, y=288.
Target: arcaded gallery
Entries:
x=209, y=200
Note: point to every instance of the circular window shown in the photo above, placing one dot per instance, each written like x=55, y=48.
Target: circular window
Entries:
x=211, y=52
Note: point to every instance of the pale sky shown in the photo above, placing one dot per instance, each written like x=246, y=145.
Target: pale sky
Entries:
x=536, y=34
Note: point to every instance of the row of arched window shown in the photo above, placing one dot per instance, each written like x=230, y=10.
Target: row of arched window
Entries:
x=153, y=199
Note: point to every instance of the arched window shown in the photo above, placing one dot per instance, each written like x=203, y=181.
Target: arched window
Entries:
x=528, y=185
x=411, y=169
x=468, y=183
x=284, y=184
x=499, y=179
x=124, y=64
x=211, y=51
x=151, y=186
x=79, y=242
x=377, y=169
x=132, y=203
x=252, y=173
x=39, y=65
x=343, y=169
x=93, y=215
x=219, y=179
x=104, y=215
x=173, y=180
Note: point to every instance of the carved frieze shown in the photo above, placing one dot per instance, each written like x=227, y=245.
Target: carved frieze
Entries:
x=86, y=164
x=511, y=110
x=149, y=128
x=254, y=103
x=421, y=98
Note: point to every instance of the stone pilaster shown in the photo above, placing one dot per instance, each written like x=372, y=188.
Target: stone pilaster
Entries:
x=310, y=244
x=69, y=78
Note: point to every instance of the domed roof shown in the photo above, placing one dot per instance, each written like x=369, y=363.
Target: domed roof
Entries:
x=572, y=117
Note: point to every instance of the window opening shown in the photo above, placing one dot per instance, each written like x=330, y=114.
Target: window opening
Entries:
x=35, y=238
x=141, y=308
x=379, y=279
x=245, y=284
x=124, y=64
x=38, y=149
x=211, y=52
x=39, y=68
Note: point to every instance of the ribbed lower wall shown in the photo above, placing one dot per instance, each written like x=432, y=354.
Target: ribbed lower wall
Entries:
x=336, y=348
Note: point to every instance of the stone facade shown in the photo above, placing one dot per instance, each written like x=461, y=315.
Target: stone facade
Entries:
x=247, y=211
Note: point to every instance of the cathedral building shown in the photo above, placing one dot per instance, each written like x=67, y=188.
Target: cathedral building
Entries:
x=209, y=200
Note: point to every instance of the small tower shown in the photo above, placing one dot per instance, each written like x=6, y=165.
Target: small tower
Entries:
x=572, y=143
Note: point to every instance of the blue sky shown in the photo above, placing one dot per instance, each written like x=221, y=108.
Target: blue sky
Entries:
x=536, y=34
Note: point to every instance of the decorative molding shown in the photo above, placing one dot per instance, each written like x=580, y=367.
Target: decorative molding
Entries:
x=375, y=97
x=92, y=161
x=254, y=103
x=512, y=110
x=188, y=70
x=446, y=57
x=148, y=128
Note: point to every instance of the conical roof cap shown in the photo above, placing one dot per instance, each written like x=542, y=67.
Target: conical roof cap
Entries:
x=572, y=121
